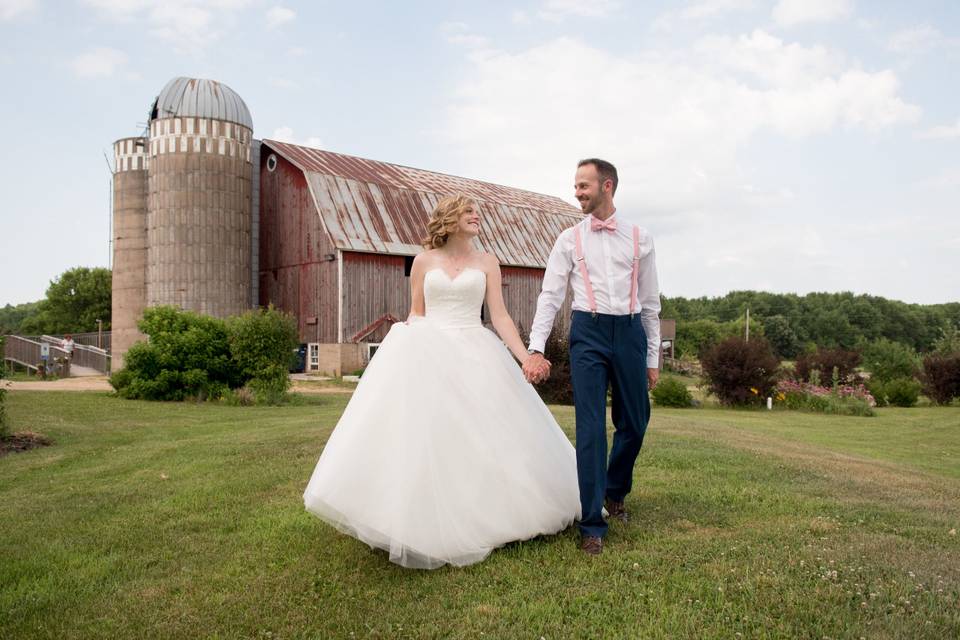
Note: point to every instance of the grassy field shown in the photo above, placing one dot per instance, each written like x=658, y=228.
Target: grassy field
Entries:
x=156, y=520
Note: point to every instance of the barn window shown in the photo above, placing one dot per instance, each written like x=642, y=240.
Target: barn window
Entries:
x=407, y=265
x=313, y=351
x=271, y=163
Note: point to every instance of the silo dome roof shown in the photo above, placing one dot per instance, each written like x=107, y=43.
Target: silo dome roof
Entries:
x=202, y=99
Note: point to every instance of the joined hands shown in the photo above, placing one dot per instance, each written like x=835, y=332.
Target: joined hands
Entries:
x=536, y=368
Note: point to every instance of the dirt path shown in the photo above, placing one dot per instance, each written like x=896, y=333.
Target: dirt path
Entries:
x=100, y=383
x=84, y=383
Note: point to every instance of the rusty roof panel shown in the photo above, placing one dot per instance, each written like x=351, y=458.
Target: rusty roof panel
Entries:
x=373, y=206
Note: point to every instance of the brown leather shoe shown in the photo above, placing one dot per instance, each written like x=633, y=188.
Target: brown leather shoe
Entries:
x=617, y=510
x=591, y=545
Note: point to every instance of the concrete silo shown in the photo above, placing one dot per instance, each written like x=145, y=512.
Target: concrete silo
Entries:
x=182, y=208
x=129, y=243
x=198, y=199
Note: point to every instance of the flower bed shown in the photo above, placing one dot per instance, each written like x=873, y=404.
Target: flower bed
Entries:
x=841, y=399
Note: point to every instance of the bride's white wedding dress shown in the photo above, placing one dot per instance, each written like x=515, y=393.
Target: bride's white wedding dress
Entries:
x=445, y=452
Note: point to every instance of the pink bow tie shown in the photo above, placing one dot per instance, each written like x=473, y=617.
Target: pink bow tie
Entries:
x=596, y=224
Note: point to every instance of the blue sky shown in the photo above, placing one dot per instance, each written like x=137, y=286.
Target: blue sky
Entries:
x=784, y=145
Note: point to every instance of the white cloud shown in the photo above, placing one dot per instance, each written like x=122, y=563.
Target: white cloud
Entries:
x=190, y=26
x=518, y=16
x=942, y=132
x=459, y=33
x=920, y=39
x=283, y=83
x=278, y=15
x=788, y=13
x=286, y=134
x=948, y=178
x=676, y=123
x=556, y=10
x=11, y=9
x=99, y=62
x=710, y=8
x=297, y=52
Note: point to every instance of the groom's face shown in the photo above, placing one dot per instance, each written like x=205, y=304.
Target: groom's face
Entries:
x=588, y=189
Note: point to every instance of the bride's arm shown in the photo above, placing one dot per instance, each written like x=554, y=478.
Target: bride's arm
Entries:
x=417, y=306
x=499, y=315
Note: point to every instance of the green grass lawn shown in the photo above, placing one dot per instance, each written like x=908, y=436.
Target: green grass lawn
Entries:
x=160, y=520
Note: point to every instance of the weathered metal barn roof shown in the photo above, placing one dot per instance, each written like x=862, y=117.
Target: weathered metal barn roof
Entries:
x=203, y=99
x=373, y=206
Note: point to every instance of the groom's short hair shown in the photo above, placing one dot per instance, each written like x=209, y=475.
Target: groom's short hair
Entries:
x=606, y=170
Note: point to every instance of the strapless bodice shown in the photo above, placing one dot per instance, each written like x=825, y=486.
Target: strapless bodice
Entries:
x=455, y=302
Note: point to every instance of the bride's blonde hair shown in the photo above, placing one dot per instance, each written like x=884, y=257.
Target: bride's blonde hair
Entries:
x=445, y=220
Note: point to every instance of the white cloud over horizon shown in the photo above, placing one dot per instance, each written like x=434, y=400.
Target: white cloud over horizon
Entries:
x=99, y=62
x=278, y=16
x=790, y=13
x=558, y=10
x=287, y=134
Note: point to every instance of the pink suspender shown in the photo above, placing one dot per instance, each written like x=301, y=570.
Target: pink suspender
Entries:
x=591, y=300
x=636, y=269
x=583, y=270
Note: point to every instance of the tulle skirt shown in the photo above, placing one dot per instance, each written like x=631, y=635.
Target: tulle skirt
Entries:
x=444, y=452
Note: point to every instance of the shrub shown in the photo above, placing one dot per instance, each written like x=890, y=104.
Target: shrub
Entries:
x=191, y=356
x=902, y=392
x=878, y=389
x=825, y=361
x=187, y=356
x=263, y=344
x=242, y=397
x=558, y=388
x=740, y=372
x=271, y=385
x=262, y=338
x=887, y=360
x=671, y=392
x=941, y=377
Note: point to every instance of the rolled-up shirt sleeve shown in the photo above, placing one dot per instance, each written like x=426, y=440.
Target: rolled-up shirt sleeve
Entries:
x=554, y=291
x=648, y=295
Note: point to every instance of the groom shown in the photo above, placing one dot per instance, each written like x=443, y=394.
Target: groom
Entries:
x=614, y=339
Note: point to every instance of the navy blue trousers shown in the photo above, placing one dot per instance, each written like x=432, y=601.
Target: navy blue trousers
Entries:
x=606, y=349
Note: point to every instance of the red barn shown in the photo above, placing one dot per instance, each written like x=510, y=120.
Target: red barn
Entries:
x=337, y=236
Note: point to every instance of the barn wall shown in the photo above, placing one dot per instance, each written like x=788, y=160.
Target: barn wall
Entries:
x=374, y=285
x=296, y=273
x=520, y=292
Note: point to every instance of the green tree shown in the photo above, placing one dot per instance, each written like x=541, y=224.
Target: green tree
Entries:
x=12, y=317
x=74, y=302
x=782, y=338
x=887, y=360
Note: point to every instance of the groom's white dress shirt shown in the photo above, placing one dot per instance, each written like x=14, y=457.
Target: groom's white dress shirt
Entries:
x=609, y=258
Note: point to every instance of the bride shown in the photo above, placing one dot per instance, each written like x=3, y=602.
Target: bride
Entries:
x=445, y=451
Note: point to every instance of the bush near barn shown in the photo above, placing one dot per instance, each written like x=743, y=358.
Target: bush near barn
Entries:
x=192, y=356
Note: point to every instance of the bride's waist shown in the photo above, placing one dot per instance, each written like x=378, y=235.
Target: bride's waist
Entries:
x=453, y=320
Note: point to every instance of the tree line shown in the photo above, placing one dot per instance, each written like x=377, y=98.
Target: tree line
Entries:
x=794, y=324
